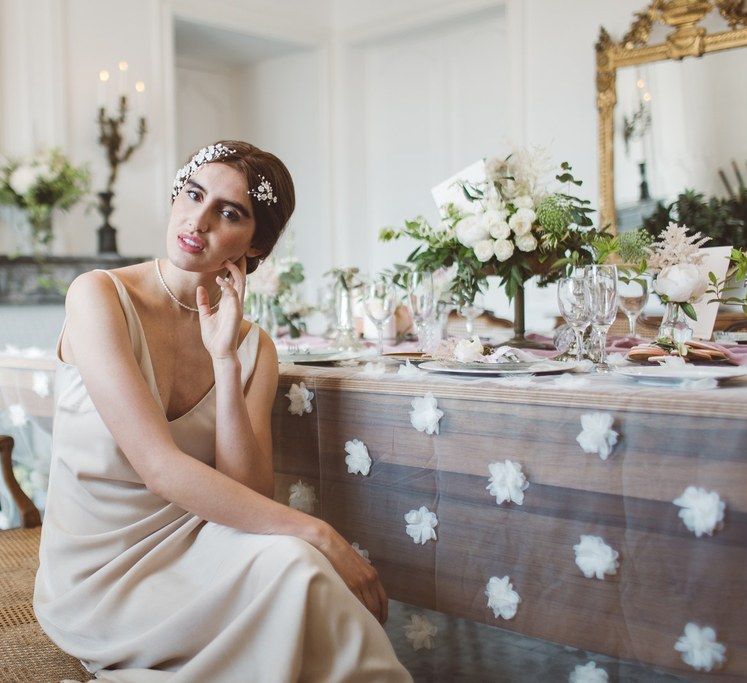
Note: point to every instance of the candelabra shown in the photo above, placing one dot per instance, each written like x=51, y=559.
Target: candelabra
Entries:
x=112, y=139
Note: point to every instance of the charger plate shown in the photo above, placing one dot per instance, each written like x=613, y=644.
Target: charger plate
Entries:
x=667, y=376
x=318, y=356
x=537, y=367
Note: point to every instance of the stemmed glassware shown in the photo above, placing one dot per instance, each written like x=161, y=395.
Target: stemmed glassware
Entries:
x=602, y=284
x=379, y=302
x=574, y=301
x=422, y=305
x=632, y=295
x=470, y=312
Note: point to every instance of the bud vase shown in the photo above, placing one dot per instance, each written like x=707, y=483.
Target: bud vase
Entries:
x=674, y=325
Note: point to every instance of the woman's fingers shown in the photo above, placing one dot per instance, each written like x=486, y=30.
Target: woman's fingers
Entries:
x=203, y=301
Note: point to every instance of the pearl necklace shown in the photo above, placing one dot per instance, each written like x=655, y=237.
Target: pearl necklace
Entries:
x=171, y=294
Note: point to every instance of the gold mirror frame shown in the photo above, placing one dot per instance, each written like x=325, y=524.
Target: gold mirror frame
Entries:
x=687, y=39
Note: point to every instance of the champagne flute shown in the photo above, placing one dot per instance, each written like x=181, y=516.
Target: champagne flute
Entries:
x=574, y=301
x=379, y=302
x=421, y=302
x=632, y=295
x=602, y=283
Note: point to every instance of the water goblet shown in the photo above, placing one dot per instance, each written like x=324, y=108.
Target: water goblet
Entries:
x=422, y=304
x=471, y=311
x=574, y=302
x=602, y=283
x=379, y=302
x=632, y=295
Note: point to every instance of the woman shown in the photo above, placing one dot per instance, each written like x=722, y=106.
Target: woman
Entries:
x=163, y=555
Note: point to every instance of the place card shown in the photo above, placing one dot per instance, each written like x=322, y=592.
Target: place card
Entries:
x=716, y=261
x=450, y=192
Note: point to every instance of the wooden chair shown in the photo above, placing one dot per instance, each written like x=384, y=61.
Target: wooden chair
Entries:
x=26, y=653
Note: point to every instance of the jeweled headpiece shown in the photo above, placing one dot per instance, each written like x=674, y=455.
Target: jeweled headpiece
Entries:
x=202, y=156
x=264, y=192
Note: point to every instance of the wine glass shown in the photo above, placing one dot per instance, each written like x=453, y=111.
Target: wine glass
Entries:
x=471, y=311
x=602, y=283
x=422, y=304
x=379, y=302
x=574, y=301
x=632, y=295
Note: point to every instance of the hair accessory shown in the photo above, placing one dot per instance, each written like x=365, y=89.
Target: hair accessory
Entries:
x=264, y=192
x=202, y=156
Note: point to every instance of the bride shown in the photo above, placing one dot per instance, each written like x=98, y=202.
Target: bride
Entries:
x=163, y=555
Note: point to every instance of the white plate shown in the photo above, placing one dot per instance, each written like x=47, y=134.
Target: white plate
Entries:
x=665, y=376
x=539, y=367
x=317, y=356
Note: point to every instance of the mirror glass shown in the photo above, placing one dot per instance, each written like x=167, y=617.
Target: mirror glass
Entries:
x=677, y=125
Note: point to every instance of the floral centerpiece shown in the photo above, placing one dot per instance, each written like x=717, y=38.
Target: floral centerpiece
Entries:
x=513, y=226
x=274, y=297
x=40, y=185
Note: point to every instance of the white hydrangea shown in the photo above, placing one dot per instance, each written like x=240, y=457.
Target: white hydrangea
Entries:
x=588, y=673
x=702, y=511
x=302, y=497
x=425, y=414
x=595, y=558
x=357, y=459
x=420, y=632
x=507, y=482
x=502, y=598
x=700, y=649
x=300, y=399
x=421, y=525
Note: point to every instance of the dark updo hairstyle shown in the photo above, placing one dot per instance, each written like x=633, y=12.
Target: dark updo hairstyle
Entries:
x=270, y=218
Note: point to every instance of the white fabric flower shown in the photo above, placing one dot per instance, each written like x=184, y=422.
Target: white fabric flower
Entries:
x=682, y=282
x=469, y=350
x=421, y=525
x=595, y=558
x=507, y=482
x=597, y=435
x=483, y=250
x=570, y=380
x=588, y=674
x=362, y=552
x=425, y=414
x=496, y=223
x=374, y=369
x=521, y=222
x=470, y=230
x=502, y=598
x=700, y=649
x=40, y=383
x=302, y=497
x=408, y=371
x=504, y=249
x=420, y=632
x=357, y=459
x=702, y=511
x=300, y=399
x=526, y=242
x=18, y=415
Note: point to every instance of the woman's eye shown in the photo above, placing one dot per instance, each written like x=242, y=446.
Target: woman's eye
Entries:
x=192, y=194
x=230, y=215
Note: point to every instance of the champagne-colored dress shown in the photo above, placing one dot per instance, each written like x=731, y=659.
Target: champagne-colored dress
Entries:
x=140, y=590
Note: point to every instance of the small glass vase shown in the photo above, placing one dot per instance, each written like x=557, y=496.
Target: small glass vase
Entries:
x=345, y=337
x=32, y=238
x=674, y=325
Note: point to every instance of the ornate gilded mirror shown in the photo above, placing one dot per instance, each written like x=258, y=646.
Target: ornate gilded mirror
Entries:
x=672, y=103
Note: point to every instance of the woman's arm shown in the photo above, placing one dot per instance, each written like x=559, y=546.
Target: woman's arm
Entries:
x=243, y=434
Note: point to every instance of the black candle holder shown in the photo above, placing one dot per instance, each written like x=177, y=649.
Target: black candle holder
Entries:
x=112, y=139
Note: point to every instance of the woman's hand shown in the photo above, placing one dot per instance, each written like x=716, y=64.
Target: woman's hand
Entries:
x=359, y=575
x=220, y=328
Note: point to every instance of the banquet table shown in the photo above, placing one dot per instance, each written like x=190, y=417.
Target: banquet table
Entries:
x=669, y=439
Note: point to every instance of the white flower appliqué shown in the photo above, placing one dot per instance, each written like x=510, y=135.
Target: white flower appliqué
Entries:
x=699, y=648
x=425, y=414
x=361, y=551
x=421, y=525
x=357, y=459
x=502, y=598
x=41, y=383
x=300, y=399
x=302, y=497
x=570, y=380
x=595, y=558
x=18, y=415
x=469, y=350
x=408, y=371
x=374, y=369
x=588, y=674
x=507, y=482
x=597, y=435
x=420, y=632
x=702, y=511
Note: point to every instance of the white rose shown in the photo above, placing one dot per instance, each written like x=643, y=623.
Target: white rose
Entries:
x=521, y=222
x=23, y=179
x=524, y=202
x=468, y=350
x=471, y=230
x=526, y=242
x=483, y=250
x=681, y=283
x=496, y=224
x=504, y=249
